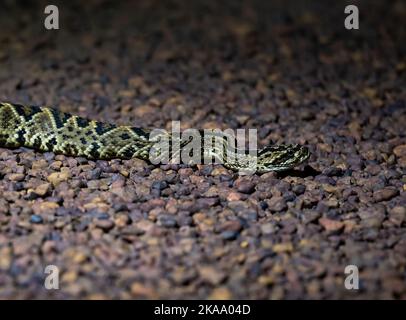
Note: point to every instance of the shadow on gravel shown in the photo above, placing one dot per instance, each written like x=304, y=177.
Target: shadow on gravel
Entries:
x=306, y=172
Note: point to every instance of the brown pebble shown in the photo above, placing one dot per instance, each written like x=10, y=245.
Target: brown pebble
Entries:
x=233, y=196
x=43, y=189
x=402, y=162
x=211, y=275
x=331, y=225
x=141, y=291
x=397, y=215
x=400, y=151
x=277, y=204
x=221, y=293
x=57, y=177
x=16, y=177
x=385, y=194
x=245, y=186
x=233, y=225
x=283, y=247
x=44, y=207
x=40, y=164
x=105, y=224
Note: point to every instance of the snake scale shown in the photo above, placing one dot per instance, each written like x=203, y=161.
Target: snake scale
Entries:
x=49, y=130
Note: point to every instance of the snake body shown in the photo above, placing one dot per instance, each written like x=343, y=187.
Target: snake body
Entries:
x=49, y=130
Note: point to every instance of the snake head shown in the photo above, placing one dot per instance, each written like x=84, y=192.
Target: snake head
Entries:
x=281, y=157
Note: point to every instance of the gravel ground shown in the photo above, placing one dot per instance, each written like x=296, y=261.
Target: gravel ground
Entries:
x=127, y=229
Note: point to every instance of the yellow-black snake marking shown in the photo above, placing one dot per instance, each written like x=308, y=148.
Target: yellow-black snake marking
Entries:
x=47, y=129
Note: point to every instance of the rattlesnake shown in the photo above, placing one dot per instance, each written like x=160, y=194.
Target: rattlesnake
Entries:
x=47, y=129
